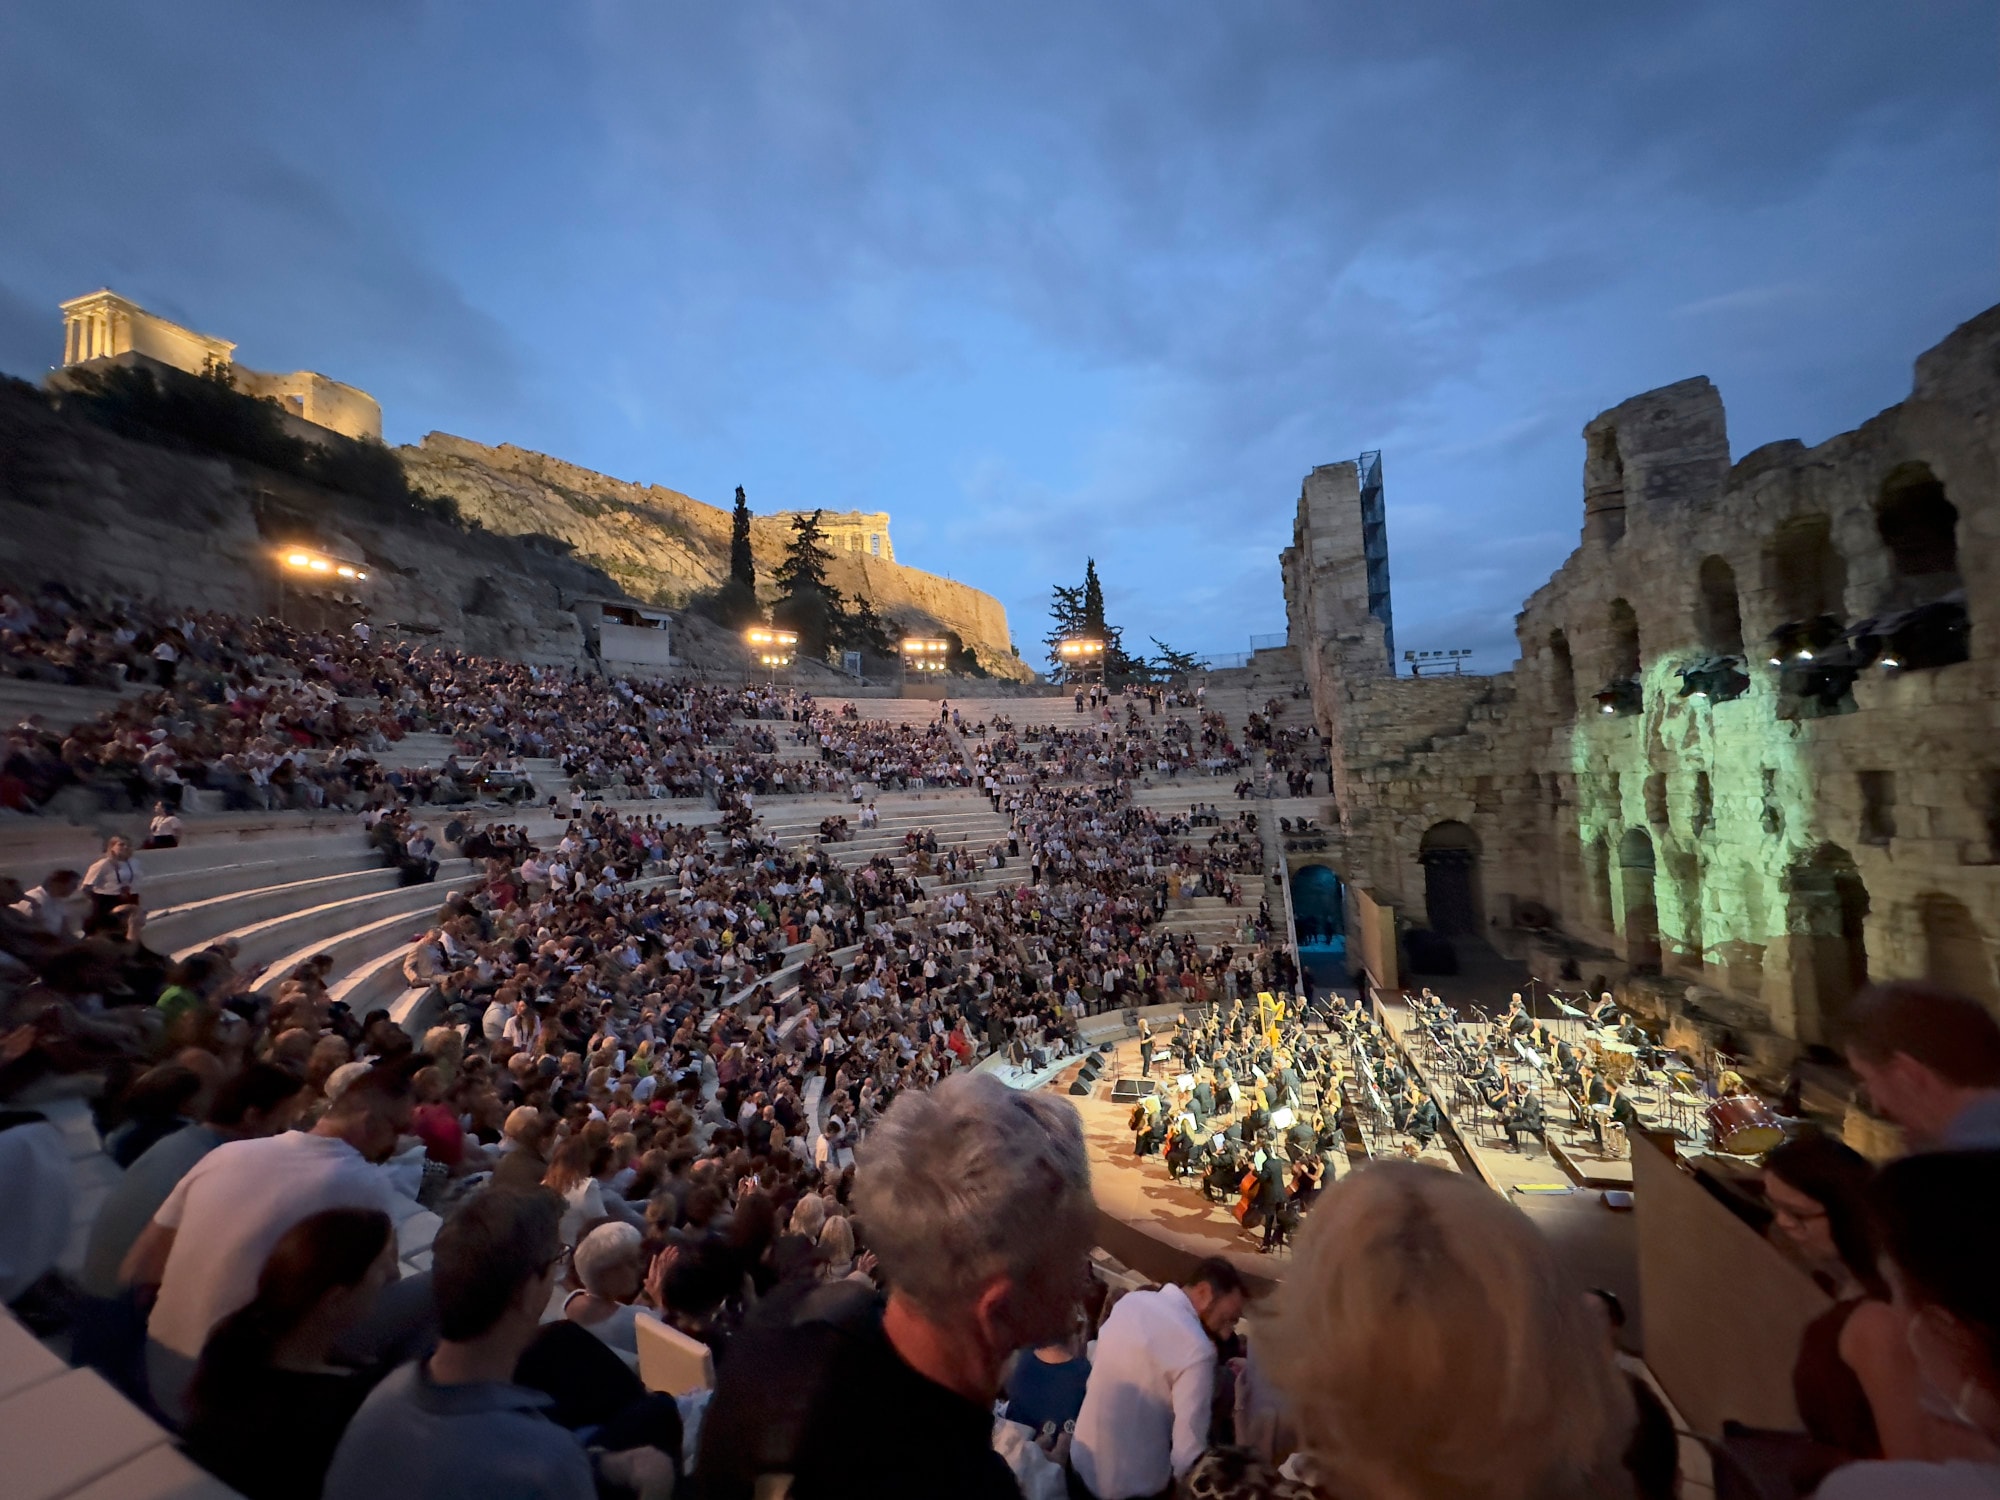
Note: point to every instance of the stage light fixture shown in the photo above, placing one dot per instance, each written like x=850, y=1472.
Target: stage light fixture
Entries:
x=1716, y=679
x=299, y=560
x=1620, y=696
x=771, y=647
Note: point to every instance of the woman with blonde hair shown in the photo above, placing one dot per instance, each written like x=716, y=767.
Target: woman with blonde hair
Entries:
x=1426, y=1347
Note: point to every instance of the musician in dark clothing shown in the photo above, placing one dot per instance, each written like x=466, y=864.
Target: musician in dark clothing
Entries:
x=1624, y=1112
x=1523, y=1116
x=1604, y=1012
x=1517, y=1021
x=1268, y=1206
x=1424, y=1123
x=1301, y=1141
x=1202, y=1101
x=1491, y=1086
x=1218, y=1185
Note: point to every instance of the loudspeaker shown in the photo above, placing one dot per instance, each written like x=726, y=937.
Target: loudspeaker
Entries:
x=1128, y=1089
x=1090, y=1069
x=1079, y=1087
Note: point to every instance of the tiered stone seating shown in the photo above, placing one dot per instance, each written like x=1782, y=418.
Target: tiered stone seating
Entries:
x=68, y=1435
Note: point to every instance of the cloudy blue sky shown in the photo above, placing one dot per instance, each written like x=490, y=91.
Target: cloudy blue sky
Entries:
x=1040, y=279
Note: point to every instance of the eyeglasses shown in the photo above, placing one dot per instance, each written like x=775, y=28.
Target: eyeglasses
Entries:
x=558, y=1261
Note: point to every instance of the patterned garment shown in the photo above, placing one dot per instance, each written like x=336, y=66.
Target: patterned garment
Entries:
x=1238, y=1474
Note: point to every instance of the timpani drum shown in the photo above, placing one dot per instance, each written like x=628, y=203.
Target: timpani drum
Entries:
x=1744, y=1125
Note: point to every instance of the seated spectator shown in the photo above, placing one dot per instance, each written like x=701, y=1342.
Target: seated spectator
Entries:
x=1852, y=1360
x=620, y=1285
x=1144, y=1417
x=58, y=906
x=208, y=1243
x=1415, y=1300
x=524, y=1160
x=977, y=1200
x=1937, y=1219
x=1930, y=1060
x=455, y=1426
x=267, y=1407
x=1045, y=1388
x=161, y=1101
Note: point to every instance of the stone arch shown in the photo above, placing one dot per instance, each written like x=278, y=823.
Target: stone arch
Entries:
x=1597, y=875
x=1719, y=619
x=1918, y=525
x=1955, y=950
x=1808, y=576
x=1562, y=676
x=1624, y=626
x=1636, y=880
x=1449, y=853
x=1828, y=925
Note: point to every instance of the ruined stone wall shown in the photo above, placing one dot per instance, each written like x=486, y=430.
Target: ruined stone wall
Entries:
x=665, y=547
x=1766, y=851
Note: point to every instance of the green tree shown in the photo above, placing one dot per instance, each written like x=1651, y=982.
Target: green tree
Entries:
x=1172, y=663
x=742, y=565
x=865, y=631
x=961, y=658
x=1093, y=602
x=807, y=603
x=1065, y=621
x=734, y=604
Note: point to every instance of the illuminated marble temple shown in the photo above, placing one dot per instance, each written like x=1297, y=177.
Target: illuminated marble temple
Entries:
x=106, y=326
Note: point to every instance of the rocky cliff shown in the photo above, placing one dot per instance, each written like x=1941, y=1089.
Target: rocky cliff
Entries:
x=85, y=507
x=666, y=547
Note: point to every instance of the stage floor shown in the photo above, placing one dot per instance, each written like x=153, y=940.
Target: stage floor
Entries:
x=1159, y=1227
x=1137, y=1192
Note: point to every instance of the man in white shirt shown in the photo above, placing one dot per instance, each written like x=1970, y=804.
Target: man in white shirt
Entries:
x=207, y=1244
x=1152, y=1378
x=57, y=905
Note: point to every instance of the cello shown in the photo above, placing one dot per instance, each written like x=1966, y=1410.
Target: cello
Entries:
x=1248, y=1188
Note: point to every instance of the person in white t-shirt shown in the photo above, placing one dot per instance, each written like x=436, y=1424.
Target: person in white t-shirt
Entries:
x=207, y=1244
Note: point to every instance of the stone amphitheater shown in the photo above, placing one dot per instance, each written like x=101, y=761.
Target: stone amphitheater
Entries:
x=286, y=886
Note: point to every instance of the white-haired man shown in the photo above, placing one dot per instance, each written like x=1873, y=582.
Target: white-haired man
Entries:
x=975, y=1200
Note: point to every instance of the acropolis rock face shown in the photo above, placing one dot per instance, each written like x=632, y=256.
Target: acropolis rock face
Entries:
x=1646, y=795
x=665, y=547
x=84, y=507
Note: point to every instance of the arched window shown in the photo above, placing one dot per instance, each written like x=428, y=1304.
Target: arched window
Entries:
x=1808, y=578
x=1624, y=641
x=1828, y=925
x=1719, y=620
x=1642, y=911
x=1919, y=526
x=1955, y=951
x=1603, y=487
x=1562, y=676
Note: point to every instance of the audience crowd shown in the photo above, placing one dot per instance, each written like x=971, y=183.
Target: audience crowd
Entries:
x=676, y=1086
